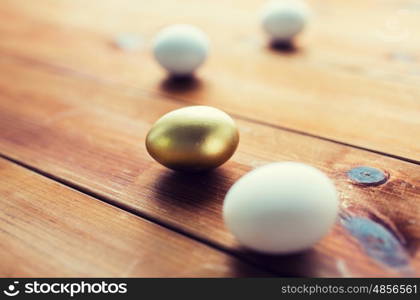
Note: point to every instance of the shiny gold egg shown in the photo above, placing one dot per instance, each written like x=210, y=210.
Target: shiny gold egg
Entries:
x=194, y=138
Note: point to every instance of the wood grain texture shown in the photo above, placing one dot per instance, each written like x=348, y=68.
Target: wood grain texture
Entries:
x=91, y=134
x=354, y=82
x=48, y=229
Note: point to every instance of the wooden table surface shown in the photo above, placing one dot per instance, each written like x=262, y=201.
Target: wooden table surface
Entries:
x=79, y=89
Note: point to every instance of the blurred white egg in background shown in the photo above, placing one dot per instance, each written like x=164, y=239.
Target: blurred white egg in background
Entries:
x=282, y=20
x=181, y=49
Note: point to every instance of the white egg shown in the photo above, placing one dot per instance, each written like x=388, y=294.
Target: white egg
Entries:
x=181, y=49
x=281, y=208
x=282, y=20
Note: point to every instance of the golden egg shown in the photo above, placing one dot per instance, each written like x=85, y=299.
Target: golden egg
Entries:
x=194, y=138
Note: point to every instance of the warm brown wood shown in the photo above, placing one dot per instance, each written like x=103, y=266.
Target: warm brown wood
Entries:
x=48, y=229
x=353, y=78
x=92, y=134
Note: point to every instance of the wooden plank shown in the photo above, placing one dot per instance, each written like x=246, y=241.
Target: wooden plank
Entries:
x=91, y=134
x=331, y=87
x=47, y=229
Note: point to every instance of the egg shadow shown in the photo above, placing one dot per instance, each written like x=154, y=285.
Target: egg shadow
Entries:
x=300, y=264
x=243, y=269
x=284, y=47
x=180, y=84
x=191, y=190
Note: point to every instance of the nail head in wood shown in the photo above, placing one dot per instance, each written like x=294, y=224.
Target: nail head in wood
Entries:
x=367, y=176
